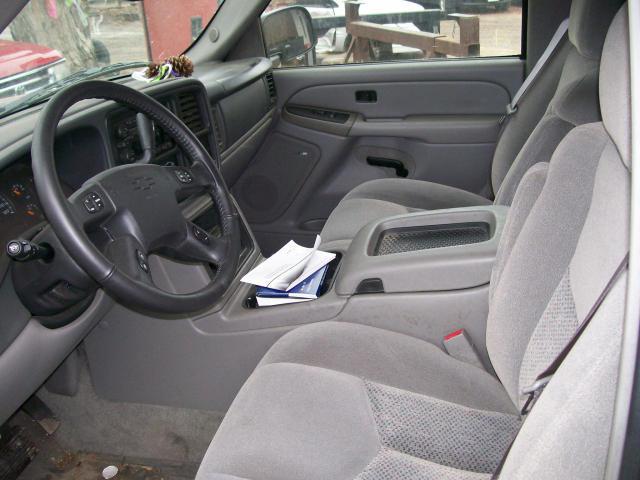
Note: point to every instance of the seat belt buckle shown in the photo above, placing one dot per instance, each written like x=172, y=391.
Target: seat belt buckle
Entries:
x=533, y=391
x=459, y=346
x=509, y=110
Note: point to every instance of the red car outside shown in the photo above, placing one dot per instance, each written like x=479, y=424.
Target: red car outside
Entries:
x=26, y=67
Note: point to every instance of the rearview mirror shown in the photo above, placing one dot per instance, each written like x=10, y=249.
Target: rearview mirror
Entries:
x=288, y=33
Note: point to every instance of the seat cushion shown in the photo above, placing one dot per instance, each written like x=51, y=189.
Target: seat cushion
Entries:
x=293, y=421
x=378, y=199
x=392, y=359
x=338, y=400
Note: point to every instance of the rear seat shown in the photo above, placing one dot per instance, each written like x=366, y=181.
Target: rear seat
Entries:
x=343, y=401
x=575, y=102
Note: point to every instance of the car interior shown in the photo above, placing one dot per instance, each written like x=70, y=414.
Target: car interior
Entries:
x=480, y=318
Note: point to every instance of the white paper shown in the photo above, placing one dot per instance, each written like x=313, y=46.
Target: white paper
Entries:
x=271, y=301
x=288, y=266
x=317, y=260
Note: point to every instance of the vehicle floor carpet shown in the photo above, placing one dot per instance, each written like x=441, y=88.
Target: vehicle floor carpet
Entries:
x=92, y=424
x=52, y=461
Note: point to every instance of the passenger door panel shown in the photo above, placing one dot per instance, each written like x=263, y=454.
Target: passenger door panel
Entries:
x=438, y=120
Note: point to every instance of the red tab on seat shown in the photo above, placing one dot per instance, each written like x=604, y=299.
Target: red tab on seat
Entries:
x=454, y=334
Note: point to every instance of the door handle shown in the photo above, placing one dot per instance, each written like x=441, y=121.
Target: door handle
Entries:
x=366, y=96
x=397, y=165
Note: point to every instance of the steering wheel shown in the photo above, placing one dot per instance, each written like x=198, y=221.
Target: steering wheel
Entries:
x=137, y=207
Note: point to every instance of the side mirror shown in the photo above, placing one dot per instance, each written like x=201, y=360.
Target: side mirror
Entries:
x=288, y=33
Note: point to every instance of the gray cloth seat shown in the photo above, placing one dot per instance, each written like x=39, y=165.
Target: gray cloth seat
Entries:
x=342, y=401
x=562, y=97
x=383, y=198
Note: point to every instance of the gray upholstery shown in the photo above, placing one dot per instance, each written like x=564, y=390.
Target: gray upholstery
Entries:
x=532, y=107
x=393, y=465
x=615, y=91
x=524, y=200
x=321, y=411
x=345, y=401
x=542, y=252
x=588, y=25
x=392, y=359
x=387, y=197
x=529, y=137
x=574, y=103
x=442, y=432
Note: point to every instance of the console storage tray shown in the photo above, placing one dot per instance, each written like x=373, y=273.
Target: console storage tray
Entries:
x=432, y=251
x=411, y=239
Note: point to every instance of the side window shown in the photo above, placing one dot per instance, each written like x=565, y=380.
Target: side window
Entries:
x=397, y=30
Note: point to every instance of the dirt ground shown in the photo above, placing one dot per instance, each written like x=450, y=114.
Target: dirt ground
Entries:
x=501, y=33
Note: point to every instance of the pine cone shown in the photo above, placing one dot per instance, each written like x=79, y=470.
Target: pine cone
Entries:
x=152, y=70
x=182, y=65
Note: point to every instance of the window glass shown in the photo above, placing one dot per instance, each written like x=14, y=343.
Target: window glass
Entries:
x=396, y=30
x=52, y=39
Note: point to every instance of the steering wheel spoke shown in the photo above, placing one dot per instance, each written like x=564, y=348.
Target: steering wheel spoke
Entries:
x=130, y=257
x=198, y=246
x=189, y=181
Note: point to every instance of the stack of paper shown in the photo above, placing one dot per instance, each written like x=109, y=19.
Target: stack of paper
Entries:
x=292, y=274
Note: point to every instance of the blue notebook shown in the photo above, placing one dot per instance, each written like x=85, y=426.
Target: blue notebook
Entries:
x=307, y=289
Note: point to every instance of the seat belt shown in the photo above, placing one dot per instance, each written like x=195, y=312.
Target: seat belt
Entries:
x=537, y=68
x=535, y=389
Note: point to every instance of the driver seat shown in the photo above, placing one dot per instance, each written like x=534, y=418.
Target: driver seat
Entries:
x=349, y=401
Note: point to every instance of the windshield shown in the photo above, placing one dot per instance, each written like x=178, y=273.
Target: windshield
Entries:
x=51, y=40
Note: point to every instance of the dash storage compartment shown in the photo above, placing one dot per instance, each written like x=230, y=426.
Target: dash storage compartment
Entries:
x=426, y=237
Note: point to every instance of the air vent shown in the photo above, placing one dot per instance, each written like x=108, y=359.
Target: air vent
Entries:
x=217, y=128
x=271, y=87
x=190, y=112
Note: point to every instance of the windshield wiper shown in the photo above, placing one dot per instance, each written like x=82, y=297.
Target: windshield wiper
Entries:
x=51, y=89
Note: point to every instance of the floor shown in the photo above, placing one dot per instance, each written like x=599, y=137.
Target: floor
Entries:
x=52, y=461
x=145, y=442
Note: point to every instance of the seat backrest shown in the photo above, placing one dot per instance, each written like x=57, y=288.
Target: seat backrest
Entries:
x=573, y=237
x=575, y=101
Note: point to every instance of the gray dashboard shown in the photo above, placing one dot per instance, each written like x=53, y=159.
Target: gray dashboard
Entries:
x=224, y=104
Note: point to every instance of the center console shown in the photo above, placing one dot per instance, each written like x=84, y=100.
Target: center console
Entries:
x=423, y=252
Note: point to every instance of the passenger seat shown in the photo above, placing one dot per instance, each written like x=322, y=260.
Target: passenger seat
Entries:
x=347, y=401
x=575, y=102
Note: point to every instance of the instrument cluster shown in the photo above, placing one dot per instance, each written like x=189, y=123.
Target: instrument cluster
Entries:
x=20, y=208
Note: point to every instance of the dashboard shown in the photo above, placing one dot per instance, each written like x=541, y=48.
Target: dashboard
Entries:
x=229, y=107
x=218, y=111
x=125, y=137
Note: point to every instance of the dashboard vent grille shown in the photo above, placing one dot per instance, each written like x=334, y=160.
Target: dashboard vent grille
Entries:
x=217, y=128
x=271, y=86
x=190, y=112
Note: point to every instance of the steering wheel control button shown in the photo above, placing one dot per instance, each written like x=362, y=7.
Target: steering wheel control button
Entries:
x=183, y=176
x=201, y=235
x=93, y=202
x=142, y=261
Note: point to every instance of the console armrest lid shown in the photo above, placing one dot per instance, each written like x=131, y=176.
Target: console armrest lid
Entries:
x=425, y=270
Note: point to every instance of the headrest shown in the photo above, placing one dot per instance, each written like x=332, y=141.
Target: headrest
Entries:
x=588, y=24
x=615, y=85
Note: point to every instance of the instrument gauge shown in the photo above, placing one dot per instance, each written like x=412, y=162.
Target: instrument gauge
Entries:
x=32, y=210
x=18, y=190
